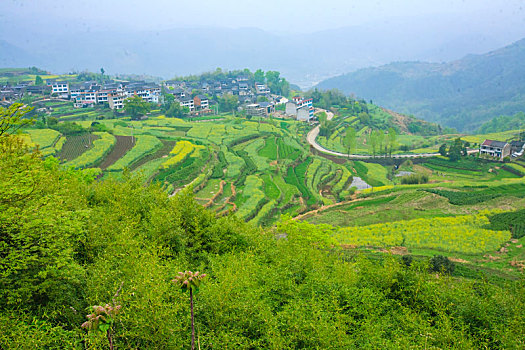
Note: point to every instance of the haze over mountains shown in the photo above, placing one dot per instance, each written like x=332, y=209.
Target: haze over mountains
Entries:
x=461, y=94
x=305, y=58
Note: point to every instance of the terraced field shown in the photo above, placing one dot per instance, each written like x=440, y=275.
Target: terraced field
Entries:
x=259, y=169
x=122, y=146
x=76, y=145
x=263, y=166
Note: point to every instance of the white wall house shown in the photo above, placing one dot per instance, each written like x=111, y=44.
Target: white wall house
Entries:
x=188, y=102
x=116, y=100
x=497, y=149
x=301, y=109
x=61, y=88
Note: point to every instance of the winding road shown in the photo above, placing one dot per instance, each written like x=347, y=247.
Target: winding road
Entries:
x=312, y=136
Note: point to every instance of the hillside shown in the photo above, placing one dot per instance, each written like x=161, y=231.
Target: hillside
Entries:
x=461, y=94
x=297, y=253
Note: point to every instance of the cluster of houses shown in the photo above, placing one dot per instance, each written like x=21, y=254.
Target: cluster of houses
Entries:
x=502, y=149
x=87, y=94
x=248, y=94
x=199, y=97
x=15, y=92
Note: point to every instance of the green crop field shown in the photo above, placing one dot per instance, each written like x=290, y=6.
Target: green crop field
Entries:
x=76, y=145
x=44, y=138
x=144, y=145
x=101, y=147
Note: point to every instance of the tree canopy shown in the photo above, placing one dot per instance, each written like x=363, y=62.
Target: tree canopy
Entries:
x=135, y=106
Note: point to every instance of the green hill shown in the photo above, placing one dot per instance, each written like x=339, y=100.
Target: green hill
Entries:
x=461, y=94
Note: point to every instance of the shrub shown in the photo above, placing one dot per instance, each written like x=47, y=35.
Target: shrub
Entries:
x=511, y=221
x=407, y=260
x=440, y=263
x=414, y=179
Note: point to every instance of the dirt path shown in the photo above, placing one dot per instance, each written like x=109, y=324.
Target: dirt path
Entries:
x=312, y=136
x=216, y=195
x=326, y=207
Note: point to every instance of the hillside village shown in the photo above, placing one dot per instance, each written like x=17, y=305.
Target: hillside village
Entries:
x=197, y=98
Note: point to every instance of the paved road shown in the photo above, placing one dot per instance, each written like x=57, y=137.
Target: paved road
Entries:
x=312, y=136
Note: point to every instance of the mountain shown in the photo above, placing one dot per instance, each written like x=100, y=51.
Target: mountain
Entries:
x=12, y=56
x=305, y=59
x=461, y=94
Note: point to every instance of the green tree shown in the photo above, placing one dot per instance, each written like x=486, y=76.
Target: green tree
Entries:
x=39, y=80
x=350, y=140
x=259, y=76
x=454, y=152
x=177, y=111
x=392, y=139
x=380, y=140
x=167, y=100
x=443, y=150
x=13, y=118
x=228, y=103
x=52, y=122
x=135, y=106
x=364, y=118
x=189, y=281
x=440, y=263
x=373, y=140
x=102, y=320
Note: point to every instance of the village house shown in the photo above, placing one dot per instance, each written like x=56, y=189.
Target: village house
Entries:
x=149, y=93
x=173, y=84
x=300, y=108
x=187, y=102
x=261, y=89
x=37, y=89
x=61, y=88
x=496, y=149
x=8, y=93
x=178, y=92
x=517, y=148
x=116, y=100
x=261, y=109
x=201, y=102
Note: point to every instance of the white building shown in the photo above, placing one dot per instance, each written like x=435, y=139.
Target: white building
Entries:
x=498, y=149
x=301, y=109
x=188, y=102
x=261, y=89
x=60, y=88
x=116, y=100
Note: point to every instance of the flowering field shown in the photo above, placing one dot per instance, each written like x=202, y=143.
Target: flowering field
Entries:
x=463, y=234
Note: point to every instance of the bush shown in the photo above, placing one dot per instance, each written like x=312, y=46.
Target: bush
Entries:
x=511, y=221
x=407, y=260
x=414, y=179
x=440, y=263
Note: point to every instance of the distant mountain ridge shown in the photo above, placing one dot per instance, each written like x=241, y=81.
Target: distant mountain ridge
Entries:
x=304, y=59
x=462, y=94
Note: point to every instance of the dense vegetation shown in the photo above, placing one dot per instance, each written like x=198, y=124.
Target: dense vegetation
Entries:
x=295, y=291
x=504, y=123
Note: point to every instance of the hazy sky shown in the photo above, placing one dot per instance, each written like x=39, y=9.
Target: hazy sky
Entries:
x=272, y=15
